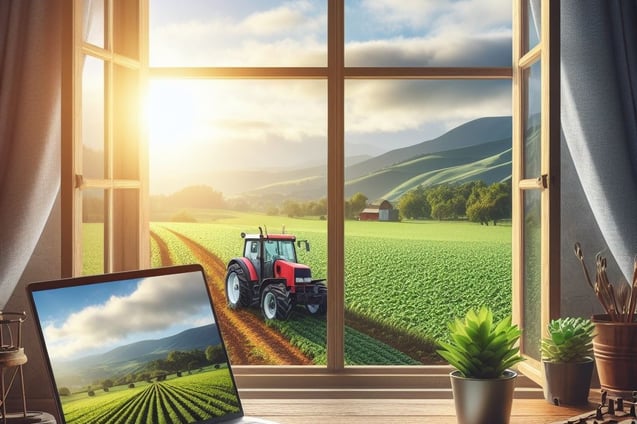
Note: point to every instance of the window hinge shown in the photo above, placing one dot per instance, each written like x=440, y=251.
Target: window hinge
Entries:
x=79, y=180
x=543, y=181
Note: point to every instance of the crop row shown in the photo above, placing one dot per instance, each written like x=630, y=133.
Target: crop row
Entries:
x=310, y=334
x=158, y=403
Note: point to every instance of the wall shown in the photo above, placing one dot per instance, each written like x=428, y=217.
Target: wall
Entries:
x=44, y=265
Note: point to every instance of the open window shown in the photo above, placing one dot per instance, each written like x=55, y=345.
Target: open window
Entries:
x=104, y=171
x=536, y=182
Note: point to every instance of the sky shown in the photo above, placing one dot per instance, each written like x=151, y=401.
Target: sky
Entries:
x=231, y=124
x=74, y=317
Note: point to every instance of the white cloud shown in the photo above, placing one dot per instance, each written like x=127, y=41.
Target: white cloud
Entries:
x=439, y=17
x=154, y=306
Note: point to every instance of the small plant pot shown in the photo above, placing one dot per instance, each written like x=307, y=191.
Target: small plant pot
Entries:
x=568, y=383
x=483, y=401
x=615, y=353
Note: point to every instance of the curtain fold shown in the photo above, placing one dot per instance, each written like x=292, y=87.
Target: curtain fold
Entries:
x=598, y=51
x=30, y=133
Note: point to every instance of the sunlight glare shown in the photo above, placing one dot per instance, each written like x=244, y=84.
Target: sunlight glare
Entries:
x=173, y=112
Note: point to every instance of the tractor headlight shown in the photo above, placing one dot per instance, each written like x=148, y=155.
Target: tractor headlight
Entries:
x=303, y=279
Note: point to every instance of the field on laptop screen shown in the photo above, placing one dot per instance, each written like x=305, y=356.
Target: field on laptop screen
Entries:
x=141, y=350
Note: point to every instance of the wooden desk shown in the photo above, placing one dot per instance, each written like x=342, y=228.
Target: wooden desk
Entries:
x=399, y=411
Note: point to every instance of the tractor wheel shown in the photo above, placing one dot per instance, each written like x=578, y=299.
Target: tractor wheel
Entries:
x=237, y=290
x=275, y=302
x=318, y=308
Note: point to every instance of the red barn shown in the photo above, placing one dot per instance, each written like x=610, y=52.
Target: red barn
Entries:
x=379, y=211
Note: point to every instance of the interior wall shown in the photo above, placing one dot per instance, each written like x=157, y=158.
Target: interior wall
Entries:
x=45, y=264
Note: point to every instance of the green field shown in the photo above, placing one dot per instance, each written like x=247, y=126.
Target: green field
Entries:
x=414, y=276
x=178, y=399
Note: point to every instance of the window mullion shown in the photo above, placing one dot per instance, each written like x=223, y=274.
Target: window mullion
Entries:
x=335, y=185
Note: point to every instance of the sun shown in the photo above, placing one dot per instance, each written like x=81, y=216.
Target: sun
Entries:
x=173, y=112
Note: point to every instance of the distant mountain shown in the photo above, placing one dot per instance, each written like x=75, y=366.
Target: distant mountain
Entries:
x=478, y=131
x=477, y=150
x=131, y=357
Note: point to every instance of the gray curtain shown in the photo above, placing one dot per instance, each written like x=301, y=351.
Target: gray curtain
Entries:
x=599, y=119
x=30, y=54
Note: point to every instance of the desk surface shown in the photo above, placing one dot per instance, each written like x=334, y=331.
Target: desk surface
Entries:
x=403, y=411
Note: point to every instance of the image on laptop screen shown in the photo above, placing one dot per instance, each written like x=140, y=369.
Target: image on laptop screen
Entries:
x=145, y=349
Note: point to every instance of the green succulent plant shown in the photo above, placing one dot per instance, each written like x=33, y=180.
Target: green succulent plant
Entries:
x=570, y=340
x=480, y=348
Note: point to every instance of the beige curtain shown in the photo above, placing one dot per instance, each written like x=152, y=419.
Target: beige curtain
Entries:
x=30, y=57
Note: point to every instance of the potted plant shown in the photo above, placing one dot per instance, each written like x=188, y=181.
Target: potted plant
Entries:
x=614, y=345
x=567, y=356
x=483, y=353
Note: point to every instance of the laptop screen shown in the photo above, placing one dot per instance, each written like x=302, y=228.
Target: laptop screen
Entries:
x=135, y=347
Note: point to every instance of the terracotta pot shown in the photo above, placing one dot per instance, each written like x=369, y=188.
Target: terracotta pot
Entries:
x=568, y=383
x=615, y=350
x=483, y=401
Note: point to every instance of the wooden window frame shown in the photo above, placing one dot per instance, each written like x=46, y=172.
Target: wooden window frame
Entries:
x=126, y=241
x=547, y=53
x=335, y=379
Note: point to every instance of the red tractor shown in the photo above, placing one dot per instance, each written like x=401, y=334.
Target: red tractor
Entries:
x=269, y=275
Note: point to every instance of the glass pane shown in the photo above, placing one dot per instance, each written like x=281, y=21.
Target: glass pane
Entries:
x=233, y=156
x=93, y=118
x=423, y=240
x=94, y=22
x=125, y=228
x=534, y=22
x=532, y=323
x=532, y=123
x=432, y=33
x=126, y=123
x=238, y=33
x=93, y=213
x=126, y=28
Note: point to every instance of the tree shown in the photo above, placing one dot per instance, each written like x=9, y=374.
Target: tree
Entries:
x=413, y=204
x=107, y=384
x=215, y=354
x=357, y=203
x=491, y=203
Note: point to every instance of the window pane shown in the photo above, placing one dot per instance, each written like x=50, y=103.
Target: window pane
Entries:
x=238, y=33
x=228, y=157
x=534, y=23
x=421, y=247
x=125, y=28
x=126, y=123
x=434, y=33
x=532, y=274
x=93, y=118
x=93, y=208
x=93, y=22
x=532, y=123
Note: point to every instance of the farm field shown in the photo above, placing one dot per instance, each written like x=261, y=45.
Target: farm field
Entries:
x=175, y=400
x=404, y=280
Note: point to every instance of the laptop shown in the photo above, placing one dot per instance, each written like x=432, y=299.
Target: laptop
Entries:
x=136, y=347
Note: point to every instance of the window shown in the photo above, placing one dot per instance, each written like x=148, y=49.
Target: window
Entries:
x=536, y=290
x=340, y=62
x=104, y=176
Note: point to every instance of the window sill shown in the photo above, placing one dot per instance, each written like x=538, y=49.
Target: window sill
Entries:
x=365, y=382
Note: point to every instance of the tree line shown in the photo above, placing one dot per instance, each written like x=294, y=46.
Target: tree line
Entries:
x=475, y=201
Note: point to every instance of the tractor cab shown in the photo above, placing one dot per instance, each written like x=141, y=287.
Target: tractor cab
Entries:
x=264, y=251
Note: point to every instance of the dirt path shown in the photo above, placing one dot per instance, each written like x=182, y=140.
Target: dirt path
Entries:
x=249, y=340
x=164, y=252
